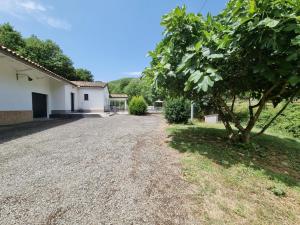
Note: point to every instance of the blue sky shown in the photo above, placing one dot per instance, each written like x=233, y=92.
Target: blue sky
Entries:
x=111, y=38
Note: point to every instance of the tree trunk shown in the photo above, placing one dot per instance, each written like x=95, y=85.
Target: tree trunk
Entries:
x=245, y=137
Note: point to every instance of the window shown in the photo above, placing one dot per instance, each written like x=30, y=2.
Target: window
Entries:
x=86, y=97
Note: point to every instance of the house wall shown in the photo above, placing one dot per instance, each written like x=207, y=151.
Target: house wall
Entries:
x=62, y=98
x=68, y=90
x=106, y=99
x=16, y=95
x=97, y=99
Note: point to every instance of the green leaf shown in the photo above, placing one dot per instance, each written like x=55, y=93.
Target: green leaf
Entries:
x=292, y=57
x=205, y=52
x=268, y=22
x=215, y=56
x=252, y=7
x=167, y=66
x=184, y=61
x=291, y=27
x=294, y=80
x=211, y=70
x=296, y=40
x=196, y=76
x=205, y=83
x=198, y=46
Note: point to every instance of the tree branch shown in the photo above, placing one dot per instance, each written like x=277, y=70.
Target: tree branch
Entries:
x=233, y=102
x=250, y=109
x=260, y=105
x=275, y=117
x=272, y=120
x=233, y=117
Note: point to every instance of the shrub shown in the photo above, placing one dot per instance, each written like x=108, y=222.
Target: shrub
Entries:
x=278, y=191
x=177, y=110
x=138, y=106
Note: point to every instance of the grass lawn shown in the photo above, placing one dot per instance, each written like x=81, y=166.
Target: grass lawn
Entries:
x=237, y=184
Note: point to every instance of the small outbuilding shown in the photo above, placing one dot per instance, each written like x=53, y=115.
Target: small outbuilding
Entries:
x=118, y=102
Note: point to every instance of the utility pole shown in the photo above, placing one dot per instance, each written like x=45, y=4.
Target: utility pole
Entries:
x=192, y=111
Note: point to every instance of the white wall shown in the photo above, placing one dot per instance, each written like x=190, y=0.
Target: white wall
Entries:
x=106, y=98
x=96, y=100
x=68, y=90
x=16, y=95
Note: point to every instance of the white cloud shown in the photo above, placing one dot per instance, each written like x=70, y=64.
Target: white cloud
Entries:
x=34, y=9
x=56, y=23
x=32, y=6
x=133, y=74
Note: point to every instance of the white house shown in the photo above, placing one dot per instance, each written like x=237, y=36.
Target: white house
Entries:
x=28, y=91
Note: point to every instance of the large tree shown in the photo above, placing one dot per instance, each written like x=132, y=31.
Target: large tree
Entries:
x=49, y=54
x=46, y=53
x=11, y=38
x=251, y=50
x=84, y=75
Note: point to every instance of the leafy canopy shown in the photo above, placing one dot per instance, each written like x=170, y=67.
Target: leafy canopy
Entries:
x=10, y=38
x=250, y=50
x=84, y=75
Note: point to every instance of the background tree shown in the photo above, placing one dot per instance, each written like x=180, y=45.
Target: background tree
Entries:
x=133, y=87
x=46, y=53
x=84, y=75
x=250, y=50
x=118, y=86
x=10, y=38
x=49, y=54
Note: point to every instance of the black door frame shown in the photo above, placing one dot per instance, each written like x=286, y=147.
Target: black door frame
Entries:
x=72, y=102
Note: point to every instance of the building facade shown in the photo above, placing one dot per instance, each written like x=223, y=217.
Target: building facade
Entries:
x=29, y=91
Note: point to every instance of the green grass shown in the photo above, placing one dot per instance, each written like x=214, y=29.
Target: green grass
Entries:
x=253, y=184
x=288, y=123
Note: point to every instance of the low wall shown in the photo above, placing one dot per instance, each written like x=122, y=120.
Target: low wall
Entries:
x=13, y=117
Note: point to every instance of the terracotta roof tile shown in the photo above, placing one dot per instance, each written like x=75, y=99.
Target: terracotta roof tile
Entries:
x=89, y=84
x=118, y=96
x=17, y=56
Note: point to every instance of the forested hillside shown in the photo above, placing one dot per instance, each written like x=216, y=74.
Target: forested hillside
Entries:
x=134, y=87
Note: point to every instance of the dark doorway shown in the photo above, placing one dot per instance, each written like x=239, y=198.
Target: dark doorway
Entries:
x=72, y=102
x=39, y=105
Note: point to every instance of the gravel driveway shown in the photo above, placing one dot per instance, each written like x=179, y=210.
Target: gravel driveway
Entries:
x=115, y=170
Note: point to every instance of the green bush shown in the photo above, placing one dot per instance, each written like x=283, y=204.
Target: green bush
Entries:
x=138, y=106
x=177, y=110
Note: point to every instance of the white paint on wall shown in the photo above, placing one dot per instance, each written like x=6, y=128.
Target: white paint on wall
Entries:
x=212, y=118
x=97, y=99
x=16, y=94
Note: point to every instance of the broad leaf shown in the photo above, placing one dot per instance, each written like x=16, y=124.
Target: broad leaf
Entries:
x=196, y=76
x=215, y=56
x=268, y=22
x=296, y=40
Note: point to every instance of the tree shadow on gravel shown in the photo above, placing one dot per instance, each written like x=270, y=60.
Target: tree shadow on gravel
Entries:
x=278, y=157
x=12, y=132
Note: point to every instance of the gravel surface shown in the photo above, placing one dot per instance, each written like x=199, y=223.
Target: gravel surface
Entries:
x=115, y=170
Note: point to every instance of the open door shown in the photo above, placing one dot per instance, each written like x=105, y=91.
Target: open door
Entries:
x=39, y=105
x=72, y=102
